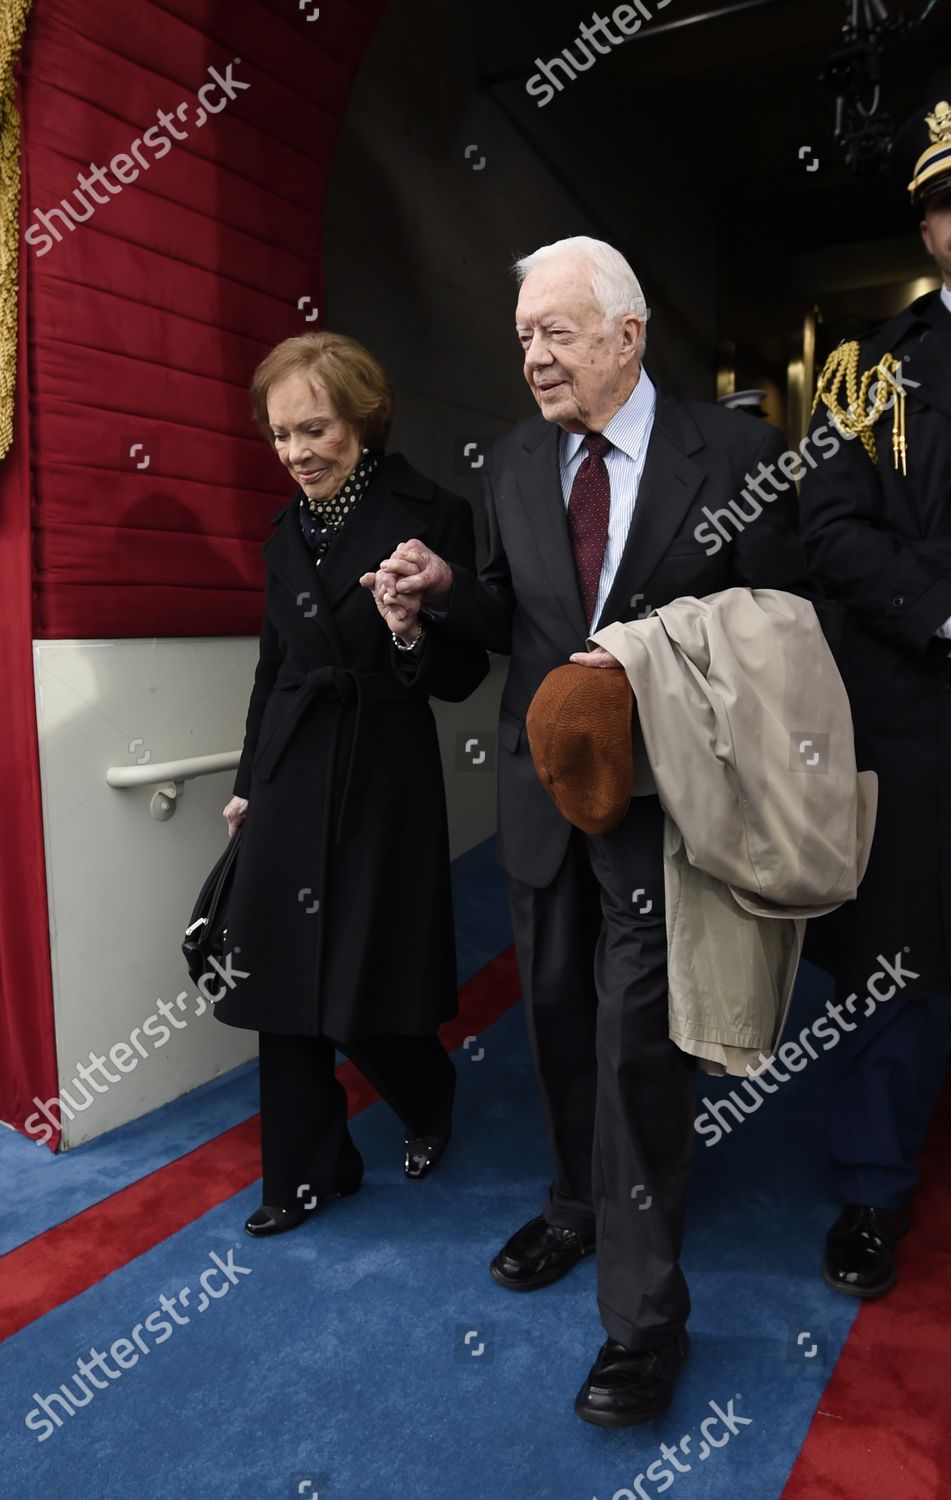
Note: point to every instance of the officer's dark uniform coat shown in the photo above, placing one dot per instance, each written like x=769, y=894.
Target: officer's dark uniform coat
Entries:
x=880, y=543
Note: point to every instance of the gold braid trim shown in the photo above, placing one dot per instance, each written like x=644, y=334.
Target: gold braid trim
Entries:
x=858, y=418
x=13, y=14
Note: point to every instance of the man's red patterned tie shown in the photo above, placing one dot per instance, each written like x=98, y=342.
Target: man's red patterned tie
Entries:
x=589, y=510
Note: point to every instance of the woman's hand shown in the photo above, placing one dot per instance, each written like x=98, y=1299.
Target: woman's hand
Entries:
x=400, y=613
x=235, y=812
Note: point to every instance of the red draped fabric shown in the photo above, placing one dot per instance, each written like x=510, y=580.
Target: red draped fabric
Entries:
x=192, y=141
x=27, y=1045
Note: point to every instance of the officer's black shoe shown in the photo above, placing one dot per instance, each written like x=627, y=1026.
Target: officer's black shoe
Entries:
x=859, y=1256
x=538, y=1254
x=628, y=1386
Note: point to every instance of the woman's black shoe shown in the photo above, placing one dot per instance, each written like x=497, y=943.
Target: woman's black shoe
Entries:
x=267, y=1220
x=422, y=1152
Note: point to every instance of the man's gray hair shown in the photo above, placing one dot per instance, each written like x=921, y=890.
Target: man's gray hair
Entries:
x=616, y=289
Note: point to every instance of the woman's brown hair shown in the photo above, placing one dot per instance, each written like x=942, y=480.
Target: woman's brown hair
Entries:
x=355, y=381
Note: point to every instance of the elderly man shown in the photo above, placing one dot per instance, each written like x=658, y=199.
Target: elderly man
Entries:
x=598, y=509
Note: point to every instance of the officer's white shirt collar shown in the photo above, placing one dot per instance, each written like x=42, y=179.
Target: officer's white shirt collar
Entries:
x=946, y=296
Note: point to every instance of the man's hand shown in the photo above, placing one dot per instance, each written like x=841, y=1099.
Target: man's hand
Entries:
x=420, y=573
x=597, y=658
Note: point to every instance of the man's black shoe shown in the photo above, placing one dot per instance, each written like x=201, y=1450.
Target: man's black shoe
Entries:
x=538, y=1254
x=859, y=1256
x=628, y=1386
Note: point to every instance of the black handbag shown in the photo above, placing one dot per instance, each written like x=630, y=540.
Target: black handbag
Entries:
x=207, y=931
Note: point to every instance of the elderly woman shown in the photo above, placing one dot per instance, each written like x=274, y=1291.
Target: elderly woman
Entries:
x=344, y=854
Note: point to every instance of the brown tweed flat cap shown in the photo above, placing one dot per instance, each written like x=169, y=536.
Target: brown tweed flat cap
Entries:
x=579, y=733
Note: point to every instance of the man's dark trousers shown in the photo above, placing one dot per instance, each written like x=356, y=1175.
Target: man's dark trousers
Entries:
x=618, y=1095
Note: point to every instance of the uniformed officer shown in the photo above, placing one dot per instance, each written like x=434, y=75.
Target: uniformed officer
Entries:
x=876, y=529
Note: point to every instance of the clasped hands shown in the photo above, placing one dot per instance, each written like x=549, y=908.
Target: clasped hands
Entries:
x=403, y=583
x=414, y=576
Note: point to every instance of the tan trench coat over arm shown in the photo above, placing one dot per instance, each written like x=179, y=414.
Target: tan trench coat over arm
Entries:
x=747, y=730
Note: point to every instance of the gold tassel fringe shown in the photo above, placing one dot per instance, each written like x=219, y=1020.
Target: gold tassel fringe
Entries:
x=858, y=418
x=13, y=14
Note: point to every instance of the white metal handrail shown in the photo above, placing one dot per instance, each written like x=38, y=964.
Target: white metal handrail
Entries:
x=169, y=777
x=173, y=770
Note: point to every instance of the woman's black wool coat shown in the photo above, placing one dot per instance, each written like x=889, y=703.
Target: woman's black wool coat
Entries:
x=340, y=915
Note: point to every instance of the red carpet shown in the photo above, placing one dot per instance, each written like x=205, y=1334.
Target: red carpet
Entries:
x=882, y=1430
x=65, y=1260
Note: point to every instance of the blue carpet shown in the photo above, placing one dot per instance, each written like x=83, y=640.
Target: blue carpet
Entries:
x=369, y=1355
x=341, y=1361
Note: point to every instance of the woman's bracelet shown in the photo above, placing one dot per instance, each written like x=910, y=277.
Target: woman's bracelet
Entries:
x=402, y=645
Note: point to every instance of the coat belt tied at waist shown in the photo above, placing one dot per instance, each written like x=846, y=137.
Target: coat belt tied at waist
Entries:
x=333, y=684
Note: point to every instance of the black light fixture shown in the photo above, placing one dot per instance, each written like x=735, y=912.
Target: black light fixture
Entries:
x=854, y=75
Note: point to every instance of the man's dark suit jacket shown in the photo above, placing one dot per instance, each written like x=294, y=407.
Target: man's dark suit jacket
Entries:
x=525, y=601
